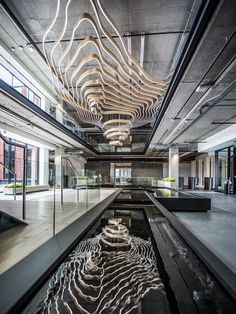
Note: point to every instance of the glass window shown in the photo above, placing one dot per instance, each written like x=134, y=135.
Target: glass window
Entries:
x=32, y=165
x=23, y=90
x=222, y=168
x=31, y=95
x=1, y=160
x=36, y=100
x=5, y=75
x=16, y=82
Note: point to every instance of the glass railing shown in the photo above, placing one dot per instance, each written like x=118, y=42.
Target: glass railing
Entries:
x=132, y=181
x=18, y=85
x=61, y=116
x=140, y=182
x=60, y=197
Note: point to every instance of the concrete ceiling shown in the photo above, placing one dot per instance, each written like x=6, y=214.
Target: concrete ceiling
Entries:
x=213, y=63
x=164, y=22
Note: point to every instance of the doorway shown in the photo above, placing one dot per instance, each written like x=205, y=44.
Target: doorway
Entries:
x=123, y=173
x=226, y=169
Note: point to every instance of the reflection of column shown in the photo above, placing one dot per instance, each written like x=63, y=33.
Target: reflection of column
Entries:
x=174, y=164
x=112, y=172
x=59, y=112
x=58, y=159
x=165, y=170
x=43, y=165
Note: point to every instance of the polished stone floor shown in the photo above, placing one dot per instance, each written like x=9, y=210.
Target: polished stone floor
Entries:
x=18, y=242
x=216, y=228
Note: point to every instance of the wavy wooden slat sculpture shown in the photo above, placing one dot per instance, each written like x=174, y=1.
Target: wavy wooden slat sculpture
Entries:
x=116, y=94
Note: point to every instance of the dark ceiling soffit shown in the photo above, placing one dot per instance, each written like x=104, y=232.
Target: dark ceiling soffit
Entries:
x=223, y=122
x=120, y=153
x=125, y=159
x=12, y=93
x=202, y=19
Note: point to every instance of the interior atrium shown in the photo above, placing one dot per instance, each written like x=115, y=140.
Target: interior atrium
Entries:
x=117, y=156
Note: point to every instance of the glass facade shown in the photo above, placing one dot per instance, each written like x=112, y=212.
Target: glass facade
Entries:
x=226, y=169
x=12, y=157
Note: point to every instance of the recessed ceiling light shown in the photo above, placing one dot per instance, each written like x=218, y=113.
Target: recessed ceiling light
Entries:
x=30, y=47
x=172, y=119
x=186, y=121
x=21, y=47
x=13, y=48
x=203, y=87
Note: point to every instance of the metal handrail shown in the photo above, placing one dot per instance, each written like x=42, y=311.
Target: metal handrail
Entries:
x=14, y=174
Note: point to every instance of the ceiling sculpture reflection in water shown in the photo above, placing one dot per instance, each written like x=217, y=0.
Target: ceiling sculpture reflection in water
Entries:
x=110, y=273
x=108, y=88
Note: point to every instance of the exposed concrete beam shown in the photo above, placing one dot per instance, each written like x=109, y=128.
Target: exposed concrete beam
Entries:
x=25, y=137
x=219, y=140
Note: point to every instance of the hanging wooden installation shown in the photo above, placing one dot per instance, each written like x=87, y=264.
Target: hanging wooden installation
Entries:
x=115, y=94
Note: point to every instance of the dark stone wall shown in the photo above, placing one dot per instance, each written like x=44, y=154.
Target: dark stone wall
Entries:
x=147, y=169
x=101, y=167
x=139, y=169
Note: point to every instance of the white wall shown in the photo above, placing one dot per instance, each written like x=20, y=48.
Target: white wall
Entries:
x=219, y=140
x=43, y=165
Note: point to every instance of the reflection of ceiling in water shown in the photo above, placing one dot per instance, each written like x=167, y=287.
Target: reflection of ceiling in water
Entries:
x=109, y=273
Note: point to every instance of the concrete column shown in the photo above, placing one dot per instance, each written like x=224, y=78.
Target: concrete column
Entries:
x=174, y=164
x=213, y=169
x=58, y=160
x=59, y=111
x=43, y=165
x=193, y=168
